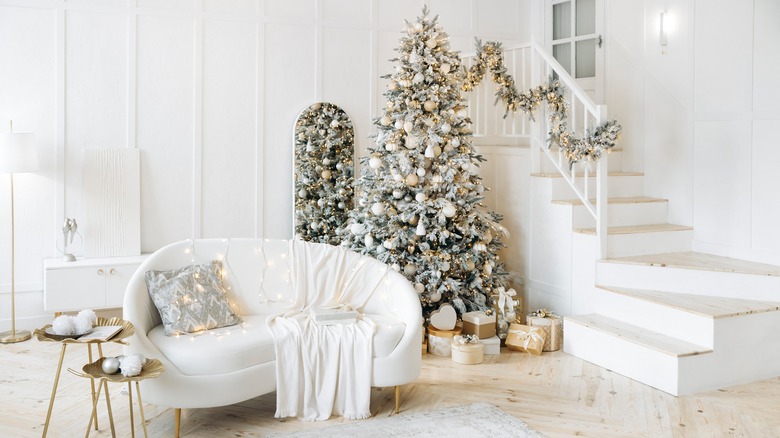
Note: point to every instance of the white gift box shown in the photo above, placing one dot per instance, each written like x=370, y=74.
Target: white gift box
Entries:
x=492, y=345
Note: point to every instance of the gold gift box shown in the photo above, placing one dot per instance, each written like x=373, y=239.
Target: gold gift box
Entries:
x=480, y=324
x=521, y=337
x=552, y=326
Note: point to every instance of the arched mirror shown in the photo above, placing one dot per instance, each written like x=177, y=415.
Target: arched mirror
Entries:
x=323, y=173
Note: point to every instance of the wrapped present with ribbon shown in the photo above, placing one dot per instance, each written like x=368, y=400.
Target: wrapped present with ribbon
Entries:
x=525, y=338
x=551, y=324
x=467, y=349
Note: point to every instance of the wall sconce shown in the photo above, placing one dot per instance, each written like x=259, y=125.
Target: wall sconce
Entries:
x=663, y=27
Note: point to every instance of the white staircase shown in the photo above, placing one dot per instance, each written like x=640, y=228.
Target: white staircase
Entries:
x=676, y=320
x=637, y=300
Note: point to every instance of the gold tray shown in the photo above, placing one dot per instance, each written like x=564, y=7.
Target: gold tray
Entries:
x=152, y=369
x=127, y=331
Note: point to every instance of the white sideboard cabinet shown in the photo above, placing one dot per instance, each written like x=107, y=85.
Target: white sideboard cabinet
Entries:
x=93, y=283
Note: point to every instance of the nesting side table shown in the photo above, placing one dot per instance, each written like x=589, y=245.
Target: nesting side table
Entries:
x=40, y=334
x=151, y=369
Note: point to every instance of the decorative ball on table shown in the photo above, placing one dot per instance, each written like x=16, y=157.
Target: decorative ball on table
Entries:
x=110, y=365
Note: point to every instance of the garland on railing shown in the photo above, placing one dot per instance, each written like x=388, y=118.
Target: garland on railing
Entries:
x=490, y=57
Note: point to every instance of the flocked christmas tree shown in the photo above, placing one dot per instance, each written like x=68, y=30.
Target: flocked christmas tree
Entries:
x=418, y=207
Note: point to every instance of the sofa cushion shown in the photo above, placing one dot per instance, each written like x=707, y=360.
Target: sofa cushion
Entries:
x=234, y=348
x=388, y=333
x=191, y=299
x=218, y=351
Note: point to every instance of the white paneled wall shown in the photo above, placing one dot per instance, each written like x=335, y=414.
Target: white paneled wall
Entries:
x=208, y=90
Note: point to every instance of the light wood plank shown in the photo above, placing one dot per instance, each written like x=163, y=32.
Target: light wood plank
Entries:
x=710, y=306
x=626, y=200
x=636, y=229
x=702, y=261
x=649, y=339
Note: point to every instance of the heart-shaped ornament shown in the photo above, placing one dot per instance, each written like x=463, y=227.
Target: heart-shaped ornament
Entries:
x=444, y=318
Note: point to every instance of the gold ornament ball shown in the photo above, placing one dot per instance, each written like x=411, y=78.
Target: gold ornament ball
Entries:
x=412, y=179
x=326, y=174
x=429, y=105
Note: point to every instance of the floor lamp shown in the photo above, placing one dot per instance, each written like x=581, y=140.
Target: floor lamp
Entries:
x=17, y=155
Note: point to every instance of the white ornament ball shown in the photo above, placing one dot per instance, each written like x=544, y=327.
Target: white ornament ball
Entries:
x=320, y=202
x=445, y=68
x=356, y=228
x=326, y=161
x=455, y=142
x=429, y=105
x=448, y=147
x=88, y=315
x=391, y=147
x=420, y=197
x=414, y=58
x=398, y=194
x=392, y=86
x=326, y=174
x=64, y=325
x=396, y=267
x=314, y=225
x=431, y=43
x=342, y=205
x=462, y=113
x=398, y=124
x=445, y=266
x=375, y=162
x=110, y=365
x=435, y=297
x=410, y=269
x=445, y=128
x=378, y=208
x=487, y=268
x=408, y=127
x=340, y=166
x=369, y=240
x=385, y=121
x=412, y=180
x=420, y=171
x=419, y=78
x=419, y=287
x=448, y=210
x=397, y=177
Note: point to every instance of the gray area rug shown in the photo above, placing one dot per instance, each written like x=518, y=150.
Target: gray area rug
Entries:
x=474, y=420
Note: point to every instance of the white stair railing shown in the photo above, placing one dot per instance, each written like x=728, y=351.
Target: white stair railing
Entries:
x=531, y=66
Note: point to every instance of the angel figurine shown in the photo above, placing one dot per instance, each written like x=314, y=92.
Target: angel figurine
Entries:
x=69, y=229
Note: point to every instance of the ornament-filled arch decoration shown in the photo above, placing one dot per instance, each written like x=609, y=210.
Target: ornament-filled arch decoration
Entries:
x=323, y=172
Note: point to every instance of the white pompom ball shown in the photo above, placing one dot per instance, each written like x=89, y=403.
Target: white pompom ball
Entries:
x=131, y=365
x=63, y=325
x=81, y=325
x=89, y=315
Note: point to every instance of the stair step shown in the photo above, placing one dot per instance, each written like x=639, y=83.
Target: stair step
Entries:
x=580, y=174
x=707, y=306
x=701, y=261
x=637, y=335
x=626, y=200
x=636, y=229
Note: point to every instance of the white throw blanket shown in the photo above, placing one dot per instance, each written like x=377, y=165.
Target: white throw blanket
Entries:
x=324, y=370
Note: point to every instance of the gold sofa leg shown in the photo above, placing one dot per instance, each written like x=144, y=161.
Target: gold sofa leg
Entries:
x=177, y=424
x=397, y=398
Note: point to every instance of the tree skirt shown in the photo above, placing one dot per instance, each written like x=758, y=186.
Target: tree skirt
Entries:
x=474, y=420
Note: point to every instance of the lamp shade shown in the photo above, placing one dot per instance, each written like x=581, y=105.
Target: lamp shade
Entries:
x=18, y=153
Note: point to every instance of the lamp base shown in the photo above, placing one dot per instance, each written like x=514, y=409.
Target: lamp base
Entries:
x=10, y=337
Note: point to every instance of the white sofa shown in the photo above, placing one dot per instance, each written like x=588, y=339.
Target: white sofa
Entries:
x=228, y=365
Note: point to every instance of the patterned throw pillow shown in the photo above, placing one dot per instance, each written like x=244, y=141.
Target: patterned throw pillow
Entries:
x=191, y=299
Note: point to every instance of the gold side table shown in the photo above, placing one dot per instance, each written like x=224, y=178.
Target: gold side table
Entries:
x=40, y=334
x=151, y=369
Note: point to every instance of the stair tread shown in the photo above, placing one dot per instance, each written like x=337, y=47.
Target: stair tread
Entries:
x=636, y=229
x=626, y=200
x=709, y=306
x=700, y=261
x=646, y=338
x=580, y=174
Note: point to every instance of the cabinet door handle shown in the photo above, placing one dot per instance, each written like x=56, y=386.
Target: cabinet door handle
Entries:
x=112, y=271
x=100, y=271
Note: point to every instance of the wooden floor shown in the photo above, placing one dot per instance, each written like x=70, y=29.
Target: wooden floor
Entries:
x=555, y=393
